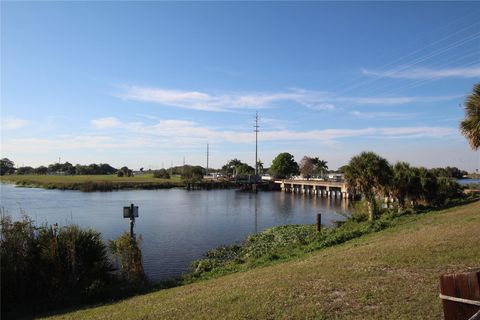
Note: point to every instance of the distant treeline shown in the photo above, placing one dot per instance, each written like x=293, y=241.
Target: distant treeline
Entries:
x=69, y=169
x=449, y=172
x=232, y=167
x=8, y=167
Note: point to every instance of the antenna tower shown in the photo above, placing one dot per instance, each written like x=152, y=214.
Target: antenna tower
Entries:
x=256, y=126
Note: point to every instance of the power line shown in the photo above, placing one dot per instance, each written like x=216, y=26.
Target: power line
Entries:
x=207, y=157
x=415, y=61
x=450, y=61
x=420, y=49
x=424, y=81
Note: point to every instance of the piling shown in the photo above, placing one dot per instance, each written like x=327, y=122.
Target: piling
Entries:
x=319, y=222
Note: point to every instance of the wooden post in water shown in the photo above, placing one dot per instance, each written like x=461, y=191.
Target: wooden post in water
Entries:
x=132, y=221
x=319, y=222
x=131, y=213
x=460, y=294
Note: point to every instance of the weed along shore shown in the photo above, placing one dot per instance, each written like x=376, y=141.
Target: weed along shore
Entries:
x=89, y=183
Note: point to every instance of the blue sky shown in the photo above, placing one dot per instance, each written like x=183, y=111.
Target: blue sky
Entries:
x=147, y=84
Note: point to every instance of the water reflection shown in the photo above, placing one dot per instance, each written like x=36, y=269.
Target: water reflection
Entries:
x=176, y=225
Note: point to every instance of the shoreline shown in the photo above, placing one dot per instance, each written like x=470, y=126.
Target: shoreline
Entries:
x=108, y=183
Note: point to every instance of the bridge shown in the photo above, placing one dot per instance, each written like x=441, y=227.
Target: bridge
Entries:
x=323, y=188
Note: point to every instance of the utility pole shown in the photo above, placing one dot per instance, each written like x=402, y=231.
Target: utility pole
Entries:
x=207, y=159
x=256, y=126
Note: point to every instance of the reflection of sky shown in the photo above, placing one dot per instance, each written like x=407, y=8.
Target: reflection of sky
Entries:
x=468, y=181
x=177, y=226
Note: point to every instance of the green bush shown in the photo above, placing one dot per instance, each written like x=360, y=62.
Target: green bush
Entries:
x=162, y=173
x=129, y=259
x=360, y=211
x=50, y=266
x=283, y=242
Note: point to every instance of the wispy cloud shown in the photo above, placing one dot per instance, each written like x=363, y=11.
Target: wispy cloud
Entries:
x=383, y=115
x=105, y=123
x=200, y=100
x=12, y=123
x=186, y=134
x=426, y=73
x=73, y=142
x=185, y=131
x=314, y=100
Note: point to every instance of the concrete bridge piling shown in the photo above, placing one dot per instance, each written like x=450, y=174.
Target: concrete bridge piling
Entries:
x=328, y=189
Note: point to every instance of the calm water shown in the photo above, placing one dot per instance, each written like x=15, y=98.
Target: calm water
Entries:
x=177, y=226
x=468, y=181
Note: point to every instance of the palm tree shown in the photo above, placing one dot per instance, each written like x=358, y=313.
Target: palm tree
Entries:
x=470, y=126
x=260, y=167
x=320, y=166
x=370, y=175
x=405, y=184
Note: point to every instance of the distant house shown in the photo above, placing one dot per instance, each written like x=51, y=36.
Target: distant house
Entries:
x=266, y=177
x=336, y=176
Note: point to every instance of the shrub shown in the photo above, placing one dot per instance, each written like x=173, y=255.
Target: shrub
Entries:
x=49, y=266
x=360, y=211
x=162, y=173
x=129, y=259
x=447, y=191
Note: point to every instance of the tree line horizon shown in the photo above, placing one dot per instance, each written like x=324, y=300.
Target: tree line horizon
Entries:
x=283, y=166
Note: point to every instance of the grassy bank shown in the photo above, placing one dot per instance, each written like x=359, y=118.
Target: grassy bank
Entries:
x=93, y=182
x=390, y=274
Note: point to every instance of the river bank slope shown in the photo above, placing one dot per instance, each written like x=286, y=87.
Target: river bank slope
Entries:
x=391, y=274
x=92, y=182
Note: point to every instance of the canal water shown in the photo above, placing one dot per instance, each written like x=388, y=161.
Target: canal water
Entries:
x=468, y=181
x=177, y=226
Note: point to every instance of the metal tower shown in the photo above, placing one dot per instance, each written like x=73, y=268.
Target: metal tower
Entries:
x=256, y=126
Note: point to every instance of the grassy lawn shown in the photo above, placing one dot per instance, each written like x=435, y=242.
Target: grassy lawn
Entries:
x=92, y=182
x=392, y=274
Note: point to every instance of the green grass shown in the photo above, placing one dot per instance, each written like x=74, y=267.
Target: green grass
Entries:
x=391, y=274
x=93, y=182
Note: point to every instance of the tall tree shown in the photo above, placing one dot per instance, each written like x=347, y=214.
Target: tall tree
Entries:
x=470, y=126
x=192, y=174
x=370, y=175
x=230, y=167
x=244, y=169
x=405, y=183
x=283, y=166
x=307, y=167
x=260, y=167
x=320, y=166
x=6, y=166
x=429, y=185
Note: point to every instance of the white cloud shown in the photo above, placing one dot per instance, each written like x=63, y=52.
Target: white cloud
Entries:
x=104, y=123
x=68, y=142
x=426, y=73
x=417, y=132
x=184, y=131
x=12, y=123
x=315, y=100
x=383, y=115
x=172, y=137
